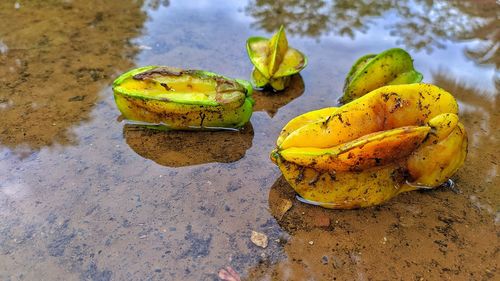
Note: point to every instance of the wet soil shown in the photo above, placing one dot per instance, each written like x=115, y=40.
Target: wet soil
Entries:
x=85, y=196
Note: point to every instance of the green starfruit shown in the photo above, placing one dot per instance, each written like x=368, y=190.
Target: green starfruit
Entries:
x=179, y=99
x=370, y=72
x=274, y=61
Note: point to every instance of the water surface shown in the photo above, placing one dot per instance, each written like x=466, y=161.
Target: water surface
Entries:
x=85, y=197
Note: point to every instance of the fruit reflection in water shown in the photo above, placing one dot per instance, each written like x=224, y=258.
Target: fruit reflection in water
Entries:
x=186, y=148
x=269, y=101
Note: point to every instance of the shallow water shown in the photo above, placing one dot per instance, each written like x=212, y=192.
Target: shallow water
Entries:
x=84, y=196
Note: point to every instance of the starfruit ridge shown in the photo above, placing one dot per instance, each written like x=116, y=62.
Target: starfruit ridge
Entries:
x=274, y=61
x=183, y=99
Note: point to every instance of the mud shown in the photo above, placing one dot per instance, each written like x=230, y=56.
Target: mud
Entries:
x=84, y=196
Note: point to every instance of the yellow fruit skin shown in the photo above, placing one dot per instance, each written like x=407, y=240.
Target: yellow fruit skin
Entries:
x=372, y=150
x=259, y=79
x=183, y=116
x=347, y=190
x=438, y=158
x=171, y=98
x=278, y=45
x=274, y=61
x=408, y=137
x=279, y=83
x=303, y=119
x=383, y=109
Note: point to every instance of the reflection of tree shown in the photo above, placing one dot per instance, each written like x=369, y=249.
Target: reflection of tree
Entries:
x=317, y=17
x=55, y=60
x=303, y=17
x=430, y=24
x=419, y=24
x=155, y=4
x=348, y=16
x=484, y=28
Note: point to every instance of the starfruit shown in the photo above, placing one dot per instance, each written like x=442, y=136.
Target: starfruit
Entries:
x=179, y=99
x=274, y=61
x=394, y=139
x=391, y=67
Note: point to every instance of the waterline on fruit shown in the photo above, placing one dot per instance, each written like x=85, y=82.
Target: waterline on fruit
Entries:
x=314, y=203
x=448, y=184
x=166, y=127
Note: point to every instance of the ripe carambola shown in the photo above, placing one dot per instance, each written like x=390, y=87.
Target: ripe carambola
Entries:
x=183, y=99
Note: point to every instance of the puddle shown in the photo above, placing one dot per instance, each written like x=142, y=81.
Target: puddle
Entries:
x=85, y=196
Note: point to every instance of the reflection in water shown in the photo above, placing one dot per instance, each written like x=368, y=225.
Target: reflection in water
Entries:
x=54, y=60
x=99, y=211
x=429, y=24
x=418, y=25
x=302, y=17
x=424, y=24
x=481, y=116
x=186, y=148
x=155, y=4
x=318, y=17
x=270, y=101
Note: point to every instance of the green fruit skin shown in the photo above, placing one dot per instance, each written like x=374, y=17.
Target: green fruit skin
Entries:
x=370, y=72
x=177, y=116
x=258, y=79
x=260, y=73
x=362, y=61
x=279, y=84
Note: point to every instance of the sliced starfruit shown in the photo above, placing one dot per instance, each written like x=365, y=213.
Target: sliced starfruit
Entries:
x=394, y=139
x=183, y=99
x=391, y=67
x=274, y=61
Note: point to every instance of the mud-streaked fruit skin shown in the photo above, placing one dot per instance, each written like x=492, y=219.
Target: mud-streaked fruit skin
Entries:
x=391, y=67
x=395, y=139
x=183, y=99
x=441, y=154
x=371, y=150
x=303, y=119
x=274, y=61
x=346, y=190
x=383, y=109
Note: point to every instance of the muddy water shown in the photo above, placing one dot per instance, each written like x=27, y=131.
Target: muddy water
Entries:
x=85, y=197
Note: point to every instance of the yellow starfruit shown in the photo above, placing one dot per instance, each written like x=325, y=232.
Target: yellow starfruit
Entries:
x=394, y=139
x=274, y=61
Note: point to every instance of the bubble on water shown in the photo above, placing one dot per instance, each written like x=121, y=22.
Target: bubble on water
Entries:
x=3, y=48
